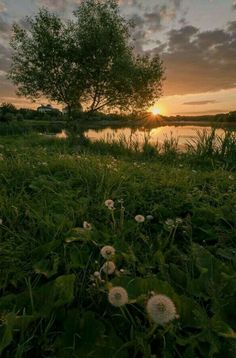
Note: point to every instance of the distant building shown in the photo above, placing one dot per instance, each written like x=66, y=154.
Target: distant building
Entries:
x=47, y=109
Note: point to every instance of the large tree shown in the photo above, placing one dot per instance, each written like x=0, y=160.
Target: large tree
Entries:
x=89, y=60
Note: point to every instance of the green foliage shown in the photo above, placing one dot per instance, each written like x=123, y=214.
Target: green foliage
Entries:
x=52, y=304
x=87, y=61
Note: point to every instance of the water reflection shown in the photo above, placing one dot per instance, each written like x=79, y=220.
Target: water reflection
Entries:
x=156, y=135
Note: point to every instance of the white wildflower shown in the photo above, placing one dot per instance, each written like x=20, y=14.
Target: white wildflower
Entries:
x=109, y=267
x=118, y=296
x=87, y=225
x=139, y=218
x=107, y=252
x=179, y=221
x=161, y=309
x=109, y=203
x=170, y=223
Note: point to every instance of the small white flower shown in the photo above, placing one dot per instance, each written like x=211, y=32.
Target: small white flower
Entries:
x=109, y=203
x=170, y=223
x=109, y=267
x=107, y=252
x=118, y=296
x=179, y=221
x=161, y=309
x=139, y=218
x=87, y=225
x=96, y=274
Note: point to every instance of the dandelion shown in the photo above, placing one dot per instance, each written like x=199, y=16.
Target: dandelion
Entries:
x=170, y=223
x=109, y=267
x=87, y=225
x=110, y=204
x=118, y=296
x=96, y=274
x=179, y=221
x=161, y=309
x=107, y=252
x=139, y=218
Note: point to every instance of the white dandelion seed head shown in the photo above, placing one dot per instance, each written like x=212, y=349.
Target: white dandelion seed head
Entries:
x=179, y=221
x=109, y=203
x=139, y=218
x=109, y=267
x=161, y=309
x=96, y=274
x=107, y=252
x=118, y=296
x=170, y=223
x=87, y=225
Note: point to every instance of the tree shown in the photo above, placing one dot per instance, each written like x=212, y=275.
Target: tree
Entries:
x=88, y=61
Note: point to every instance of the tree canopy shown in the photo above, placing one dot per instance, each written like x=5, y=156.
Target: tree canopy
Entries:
x=88, y=60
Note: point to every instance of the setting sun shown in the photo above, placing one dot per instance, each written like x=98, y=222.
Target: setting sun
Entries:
x=156, y=111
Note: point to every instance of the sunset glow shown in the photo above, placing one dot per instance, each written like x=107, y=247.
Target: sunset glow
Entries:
x=156, y=111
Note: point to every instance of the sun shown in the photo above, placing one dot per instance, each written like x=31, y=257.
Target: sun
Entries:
x=156, y=111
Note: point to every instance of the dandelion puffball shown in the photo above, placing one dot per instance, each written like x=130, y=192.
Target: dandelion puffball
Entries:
x=109, y=267
x=161, y=309
x=107, y=252
x=87, y=225
x=139, y=218
x=118, y=296
x=109, y=203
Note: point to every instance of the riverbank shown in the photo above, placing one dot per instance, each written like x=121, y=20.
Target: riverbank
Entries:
x=54, y=300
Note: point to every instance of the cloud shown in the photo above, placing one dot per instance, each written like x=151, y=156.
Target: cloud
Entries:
x=234, y=5
x=198, y=61
x=3, y=7
x=197, y=103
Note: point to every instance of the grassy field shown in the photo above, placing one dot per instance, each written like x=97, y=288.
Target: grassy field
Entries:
x=54, y=285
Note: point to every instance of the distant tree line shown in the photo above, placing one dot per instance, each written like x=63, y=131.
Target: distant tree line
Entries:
x=9, y=113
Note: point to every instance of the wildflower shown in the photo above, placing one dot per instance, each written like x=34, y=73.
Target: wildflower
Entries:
x=87, y=225
x=110, y=204
x=179, y=221
x=118, y=296
x=170, y=223
x=107, y=252
x=149, y=217
x=109, y=267
x=161, y=309
x=96, y=274
x=139, y=218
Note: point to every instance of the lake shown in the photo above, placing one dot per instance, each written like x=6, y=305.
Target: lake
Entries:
x=182, y=133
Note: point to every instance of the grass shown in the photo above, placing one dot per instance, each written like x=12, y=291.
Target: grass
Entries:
x=51, y=303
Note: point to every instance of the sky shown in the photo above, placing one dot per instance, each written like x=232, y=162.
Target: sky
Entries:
x=196, y=40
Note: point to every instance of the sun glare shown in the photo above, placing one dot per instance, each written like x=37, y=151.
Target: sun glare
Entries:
x=156, y=111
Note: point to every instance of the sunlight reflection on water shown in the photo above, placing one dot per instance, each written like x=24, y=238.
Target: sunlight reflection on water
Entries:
x=155, y=135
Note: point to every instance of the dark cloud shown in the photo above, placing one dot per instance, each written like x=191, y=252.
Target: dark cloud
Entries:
x=198, y=61
x=197, y=103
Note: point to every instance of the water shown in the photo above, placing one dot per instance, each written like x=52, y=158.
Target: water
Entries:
x=183, y=134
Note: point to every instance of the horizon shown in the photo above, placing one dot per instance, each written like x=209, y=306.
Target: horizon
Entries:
x=199, y=56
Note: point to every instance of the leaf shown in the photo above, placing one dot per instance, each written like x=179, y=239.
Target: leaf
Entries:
x=7, y=330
